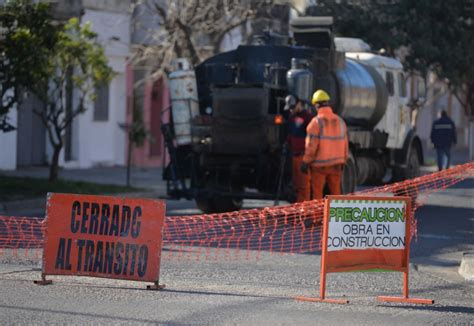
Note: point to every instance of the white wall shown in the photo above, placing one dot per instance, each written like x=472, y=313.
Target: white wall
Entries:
x=8, y=144
x=103, y=143
x=429, y=113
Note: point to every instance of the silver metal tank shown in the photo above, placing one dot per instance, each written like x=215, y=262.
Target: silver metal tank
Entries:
x=300, y=79
x=362, y=94
x=184, y=100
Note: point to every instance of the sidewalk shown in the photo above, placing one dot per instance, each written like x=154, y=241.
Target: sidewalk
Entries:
x=148, y=179
x=458, y=156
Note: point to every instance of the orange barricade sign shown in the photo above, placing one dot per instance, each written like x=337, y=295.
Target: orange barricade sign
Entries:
x=366, y=233
x=102, y=236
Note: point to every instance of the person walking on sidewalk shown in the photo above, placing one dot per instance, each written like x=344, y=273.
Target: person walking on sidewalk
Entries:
x=298, y=120
x=326, y=148
x=443, y=136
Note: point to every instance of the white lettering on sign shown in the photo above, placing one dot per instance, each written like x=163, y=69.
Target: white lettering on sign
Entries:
x=366, y=224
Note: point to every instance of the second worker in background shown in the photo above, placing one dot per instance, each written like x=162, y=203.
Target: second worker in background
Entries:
x=299, y=119
x=326, y=148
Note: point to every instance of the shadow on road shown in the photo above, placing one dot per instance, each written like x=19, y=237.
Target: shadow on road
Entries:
x=452, y=309
x=227, y=294
x=83, y=314
x=442, y=229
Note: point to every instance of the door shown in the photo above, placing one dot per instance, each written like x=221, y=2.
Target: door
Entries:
x=31, y=141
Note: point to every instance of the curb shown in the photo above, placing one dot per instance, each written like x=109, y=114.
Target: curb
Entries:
x=35, y=204
x=22, y=205
x=466, y=269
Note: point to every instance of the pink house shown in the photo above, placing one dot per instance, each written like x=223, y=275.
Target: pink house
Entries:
x=156, y=102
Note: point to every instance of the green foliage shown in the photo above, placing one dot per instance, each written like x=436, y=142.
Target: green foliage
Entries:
x=17, y=188
x=77, y=51
x=27, y=39
x=77, y=63
x=437, y=33
x=373, y=22
x=138, y=133
x=51, y=61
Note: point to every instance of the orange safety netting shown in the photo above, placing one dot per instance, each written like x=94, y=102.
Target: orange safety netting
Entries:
x=293, y=228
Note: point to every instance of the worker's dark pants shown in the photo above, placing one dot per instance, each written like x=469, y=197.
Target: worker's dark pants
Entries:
x=444, y=157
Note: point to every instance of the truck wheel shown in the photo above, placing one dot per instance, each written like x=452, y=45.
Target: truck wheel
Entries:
x=349, y=176
x=412, y=169
x=205, y=204
x=218, y=204
x=413, y=165
x=227, y=204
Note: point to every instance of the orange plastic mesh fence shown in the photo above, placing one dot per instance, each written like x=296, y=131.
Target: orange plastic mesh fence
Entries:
x=293, y=228
x=21, y=238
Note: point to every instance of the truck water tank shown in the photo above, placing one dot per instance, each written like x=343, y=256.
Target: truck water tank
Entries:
x=184, y=100
x=362, y=94
x=300, y=79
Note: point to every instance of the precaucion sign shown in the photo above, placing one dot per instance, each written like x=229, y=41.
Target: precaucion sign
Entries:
x=103, y=236
x=366, y=233
x=364, y=224
x=362, y=233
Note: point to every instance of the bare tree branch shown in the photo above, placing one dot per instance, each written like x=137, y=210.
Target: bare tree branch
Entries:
x=193, y=29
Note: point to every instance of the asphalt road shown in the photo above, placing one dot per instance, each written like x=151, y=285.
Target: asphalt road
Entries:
x=260, y=292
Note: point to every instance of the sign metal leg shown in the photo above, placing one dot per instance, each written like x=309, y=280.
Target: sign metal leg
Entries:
x=156, y=286
x=43, y=281
x=405, y=298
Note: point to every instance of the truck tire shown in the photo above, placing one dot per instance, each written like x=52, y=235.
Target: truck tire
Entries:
x=227, y=204
x=349, y=176
x=413, y=164
x=218, y=204
x=205, y=204
x=412, y=168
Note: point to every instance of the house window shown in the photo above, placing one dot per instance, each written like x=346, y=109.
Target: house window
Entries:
x=101, y=104
x=389, y=82
x=402, y=85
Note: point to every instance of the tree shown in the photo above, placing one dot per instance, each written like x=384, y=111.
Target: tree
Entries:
x=187, y=29
x=78, y=63
x=137, y=134
x=372, y=21
x=27, y=37
x=437, y=33
x=439, y=36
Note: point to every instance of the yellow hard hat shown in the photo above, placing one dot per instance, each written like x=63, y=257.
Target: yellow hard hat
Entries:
x=320, y=96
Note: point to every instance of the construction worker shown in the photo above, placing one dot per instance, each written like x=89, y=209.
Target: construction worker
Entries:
x=443, y=136
x=298, y=120
x=327, y=148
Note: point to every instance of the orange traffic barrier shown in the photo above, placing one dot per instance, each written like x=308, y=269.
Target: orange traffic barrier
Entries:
x=366, y=233
x=101, y=236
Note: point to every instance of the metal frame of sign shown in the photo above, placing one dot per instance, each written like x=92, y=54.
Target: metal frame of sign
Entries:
x=404, y=269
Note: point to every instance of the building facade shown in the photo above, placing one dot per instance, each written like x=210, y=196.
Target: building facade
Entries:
x=95, y=137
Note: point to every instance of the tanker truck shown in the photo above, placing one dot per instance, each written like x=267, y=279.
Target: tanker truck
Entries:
x=226, y=138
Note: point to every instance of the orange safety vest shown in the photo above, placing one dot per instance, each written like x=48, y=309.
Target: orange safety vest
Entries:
x=326, y=139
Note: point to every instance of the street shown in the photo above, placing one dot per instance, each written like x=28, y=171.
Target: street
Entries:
x=251, y=291
x=132, y=134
